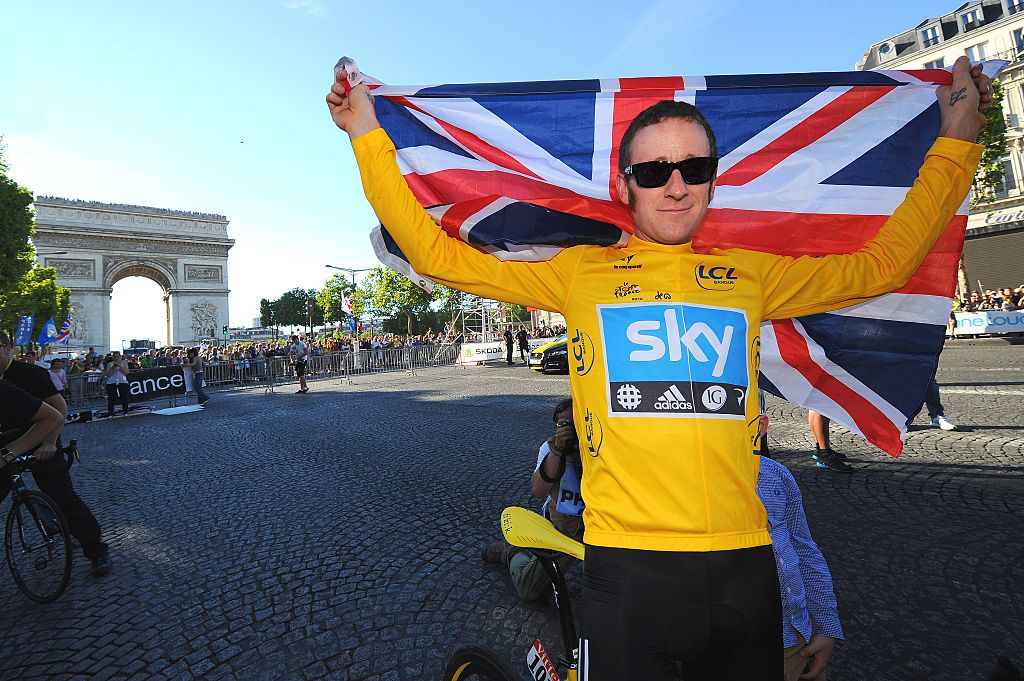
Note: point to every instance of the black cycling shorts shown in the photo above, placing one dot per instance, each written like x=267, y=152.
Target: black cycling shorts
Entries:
x=716, y=614
x=300, y=367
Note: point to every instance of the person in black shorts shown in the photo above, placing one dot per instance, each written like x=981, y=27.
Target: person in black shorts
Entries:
x=51, y=473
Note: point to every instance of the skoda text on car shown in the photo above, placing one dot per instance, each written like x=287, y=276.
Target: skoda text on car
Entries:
x=551, y=357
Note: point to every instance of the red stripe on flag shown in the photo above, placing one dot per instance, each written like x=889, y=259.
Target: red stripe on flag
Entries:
x=813, y=128
x=875, y=425
x=797, y=234
x=636, y=95
x=459, y=212
x=474, y=144
x=666, y=84
x=459, y=186
x=933, y=76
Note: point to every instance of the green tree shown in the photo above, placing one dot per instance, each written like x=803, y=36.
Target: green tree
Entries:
x=17, y=256
x=267, y=313
x=517, y=313
x=393, y=295
x=25, y=288
x=36, y=294
x=448, y=299
x=993, y=138
x=290, y=308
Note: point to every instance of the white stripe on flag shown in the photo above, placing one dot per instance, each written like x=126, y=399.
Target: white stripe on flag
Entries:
x=780, y=127
x=794, y=387
x=903, y=307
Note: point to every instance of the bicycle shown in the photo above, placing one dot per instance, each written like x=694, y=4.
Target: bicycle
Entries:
x=37, y=542
x=527, y=529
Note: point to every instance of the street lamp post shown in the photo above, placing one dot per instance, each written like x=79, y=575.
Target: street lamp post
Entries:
x=350, y=271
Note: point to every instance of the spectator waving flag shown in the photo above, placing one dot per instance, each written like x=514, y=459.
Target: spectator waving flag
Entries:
x=48, y=334
x=24, y=335
x=811, y=164
x=64, y=336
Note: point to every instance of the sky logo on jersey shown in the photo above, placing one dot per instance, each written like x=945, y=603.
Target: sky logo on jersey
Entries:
x=666, y=359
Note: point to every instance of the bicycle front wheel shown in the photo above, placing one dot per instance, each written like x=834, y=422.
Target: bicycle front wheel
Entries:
x=38, y=547
x=474, y=662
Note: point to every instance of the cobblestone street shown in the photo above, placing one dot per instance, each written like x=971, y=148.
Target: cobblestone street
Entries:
x=337, y=534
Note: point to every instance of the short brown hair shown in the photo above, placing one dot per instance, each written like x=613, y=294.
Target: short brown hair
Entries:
x=662, y=111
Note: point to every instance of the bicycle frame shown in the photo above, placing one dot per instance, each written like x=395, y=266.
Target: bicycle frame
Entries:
x=570, y=656
x=527, y=529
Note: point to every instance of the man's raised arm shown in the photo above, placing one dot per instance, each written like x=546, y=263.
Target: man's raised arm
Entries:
x=429, y=249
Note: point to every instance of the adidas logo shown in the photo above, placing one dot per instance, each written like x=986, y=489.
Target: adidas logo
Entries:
x=673, y=400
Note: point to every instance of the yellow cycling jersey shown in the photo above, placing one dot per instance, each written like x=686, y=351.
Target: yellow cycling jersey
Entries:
x=665, y=347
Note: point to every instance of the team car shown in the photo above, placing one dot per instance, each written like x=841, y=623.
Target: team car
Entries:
x=551, y=357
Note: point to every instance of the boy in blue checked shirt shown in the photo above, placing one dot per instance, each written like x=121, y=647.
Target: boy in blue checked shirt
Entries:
x=805, y=584
x=810, y=621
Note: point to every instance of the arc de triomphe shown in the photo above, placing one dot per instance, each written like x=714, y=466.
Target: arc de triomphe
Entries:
x=94, y=245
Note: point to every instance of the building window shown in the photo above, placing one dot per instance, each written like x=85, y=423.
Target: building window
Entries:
x=972, y=19
x=939, y=63
x=1018, y=40
x=976, y=52
x=1008, y=182
x=930, y=36
x=1014, y=6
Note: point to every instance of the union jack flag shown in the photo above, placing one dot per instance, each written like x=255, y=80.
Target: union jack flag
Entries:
x=811, y=164
x=64, y=335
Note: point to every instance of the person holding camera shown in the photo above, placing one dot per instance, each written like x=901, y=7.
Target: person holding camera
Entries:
x=556, y=479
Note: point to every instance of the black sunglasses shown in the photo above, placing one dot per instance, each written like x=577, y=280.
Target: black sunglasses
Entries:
x=651, y=174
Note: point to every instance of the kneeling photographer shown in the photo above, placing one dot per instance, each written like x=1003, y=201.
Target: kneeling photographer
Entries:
x=556, y=479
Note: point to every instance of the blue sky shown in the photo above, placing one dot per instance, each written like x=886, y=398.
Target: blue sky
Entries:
x=219, y=106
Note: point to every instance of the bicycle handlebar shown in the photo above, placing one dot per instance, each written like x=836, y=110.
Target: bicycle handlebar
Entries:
x=70, y=450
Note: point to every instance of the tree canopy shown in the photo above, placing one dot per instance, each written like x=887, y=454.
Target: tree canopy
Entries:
x=25, y=287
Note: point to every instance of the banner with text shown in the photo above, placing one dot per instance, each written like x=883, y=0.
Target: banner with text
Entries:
x=158, y=382
x=474, y=353
x=991, y=321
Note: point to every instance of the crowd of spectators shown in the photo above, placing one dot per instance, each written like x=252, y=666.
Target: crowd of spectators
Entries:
x=242, y=361
x=1004, y=300
x=541, y=331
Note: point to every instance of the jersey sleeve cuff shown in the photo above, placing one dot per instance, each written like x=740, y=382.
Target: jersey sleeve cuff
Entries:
x=964, y=154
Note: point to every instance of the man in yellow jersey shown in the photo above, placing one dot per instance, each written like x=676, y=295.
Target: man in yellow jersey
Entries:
x=679, y=564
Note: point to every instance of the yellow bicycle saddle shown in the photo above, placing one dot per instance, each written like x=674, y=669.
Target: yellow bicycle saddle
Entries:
x=525, y=528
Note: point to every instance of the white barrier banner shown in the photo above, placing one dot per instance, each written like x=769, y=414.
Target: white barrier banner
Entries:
x=473, y=353
x=989, y=322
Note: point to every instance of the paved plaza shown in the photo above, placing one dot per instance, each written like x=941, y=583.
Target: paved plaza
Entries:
x=337, y=534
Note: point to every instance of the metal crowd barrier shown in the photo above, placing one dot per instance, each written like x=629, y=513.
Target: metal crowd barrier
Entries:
x=267, y=372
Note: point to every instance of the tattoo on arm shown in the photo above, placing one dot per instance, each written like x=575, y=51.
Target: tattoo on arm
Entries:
x=955, y=97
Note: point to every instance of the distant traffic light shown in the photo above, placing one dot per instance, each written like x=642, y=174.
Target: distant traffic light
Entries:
x=225, y=329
